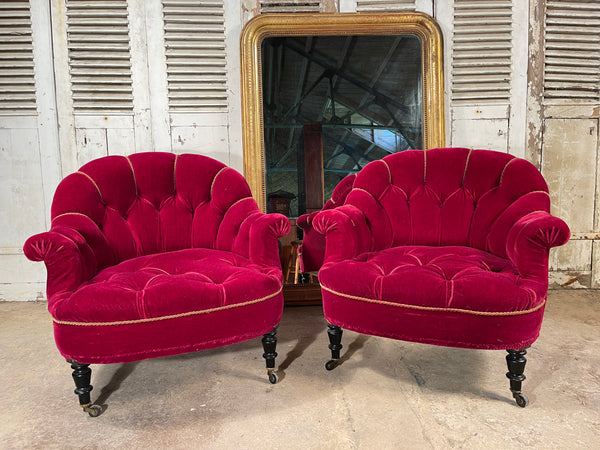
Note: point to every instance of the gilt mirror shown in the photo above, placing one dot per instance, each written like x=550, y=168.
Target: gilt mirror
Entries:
x=324, y=94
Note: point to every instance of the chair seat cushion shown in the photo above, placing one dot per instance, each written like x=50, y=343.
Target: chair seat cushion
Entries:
x=195, y=280
x=409, y=288
x=130, y=298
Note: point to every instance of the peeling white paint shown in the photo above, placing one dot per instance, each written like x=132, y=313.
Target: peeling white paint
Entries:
x=566, y=280
x=36, y=151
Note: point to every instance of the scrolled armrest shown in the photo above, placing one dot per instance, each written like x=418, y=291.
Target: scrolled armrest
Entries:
x=530, y=239
x=305, y=221
x=346, y=231
x=264, y=232
x=312, y=250
x=69, y=260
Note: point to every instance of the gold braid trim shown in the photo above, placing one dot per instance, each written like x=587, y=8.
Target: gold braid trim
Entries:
x=433, y=308
x=387, y=166
x=505, y=167
x=466, y=167
x=93, y=182
x=425, y=166
x=212, y=184
x=137, y=192
x=174, y=172
x=173, y=316
x=71, y=214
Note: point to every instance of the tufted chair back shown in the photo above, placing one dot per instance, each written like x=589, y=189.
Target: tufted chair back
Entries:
x=340, y=192
x=153, y=202
x=444, y=197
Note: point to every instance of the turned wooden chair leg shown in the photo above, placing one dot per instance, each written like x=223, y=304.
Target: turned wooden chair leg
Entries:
x=297, y=269
x=82, y=375
x=335, y=338
x=516, y=367
x=269, y=342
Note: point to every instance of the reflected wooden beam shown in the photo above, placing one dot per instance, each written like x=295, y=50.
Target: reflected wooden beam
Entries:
x=301, y=83
x=341, y=74
x=313, y=166
x=340, y=66
x=366, y=99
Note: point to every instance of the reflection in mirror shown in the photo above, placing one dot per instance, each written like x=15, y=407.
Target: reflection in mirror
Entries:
x=331, y=104
x=324, y=94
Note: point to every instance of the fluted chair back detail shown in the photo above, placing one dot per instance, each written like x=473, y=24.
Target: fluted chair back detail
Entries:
x=138, y=205
x=154, y=255
x=441, y=198
x=445, y=246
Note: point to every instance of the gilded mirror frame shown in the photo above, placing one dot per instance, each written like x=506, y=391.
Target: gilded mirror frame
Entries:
x=331, y=24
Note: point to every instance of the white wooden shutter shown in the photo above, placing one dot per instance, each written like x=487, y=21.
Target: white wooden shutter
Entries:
x=487, y=64
x=17, y=82
x=481, y=55
x=385, y=5
x=280, y=6
x=99, y=57
x=569, y=140
x=572, y=50
x=194, y=34
x=29, y=157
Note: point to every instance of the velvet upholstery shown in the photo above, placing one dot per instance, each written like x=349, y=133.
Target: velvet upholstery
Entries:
x=312, y=250
x=445, y=246
x=156, y=254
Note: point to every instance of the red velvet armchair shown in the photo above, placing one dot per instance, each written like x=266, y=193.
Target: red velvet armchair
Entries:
x=446, y=247
x=312, y=250
x=154, y=255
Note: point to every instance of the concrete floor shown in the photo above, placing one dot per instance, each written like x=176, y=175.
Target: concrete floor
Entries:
x=386, y=394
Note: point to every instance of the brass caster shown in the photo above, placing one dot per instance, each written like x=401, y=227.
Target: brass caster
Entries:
x=331, y=364
x=93, y=410
x=273, y=377
x=521, y=400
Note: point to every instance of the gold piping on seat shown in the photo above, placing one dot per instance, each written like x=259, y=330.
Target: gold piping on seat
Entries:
x=169, y=317
x=434, y=308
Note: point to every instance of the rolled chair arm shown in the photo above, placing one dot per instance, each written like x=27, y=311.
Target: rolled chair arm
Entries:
x=312, y=250
x=305, y=221
x=264, y=232
x=530, y=239
x=346, y=232
x=69, y=259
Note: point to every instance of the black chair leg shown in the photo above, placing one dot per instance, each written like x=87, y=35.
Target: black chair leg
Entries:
x=516, y=367
x=82, y=375
x=269, y=342
x=335, y=338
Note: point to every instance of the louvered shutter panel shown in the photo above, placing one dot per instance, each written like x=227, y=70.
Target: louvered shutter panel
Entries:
x=17, y=82
x=572, y=50
x=289, y=6
x=385, y=5
x=99, y=56
x=195, y=53
x=481, y=56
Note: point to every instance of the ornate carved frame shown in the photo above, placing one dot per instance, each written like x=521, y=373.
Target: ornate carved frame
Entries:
x=327, y=24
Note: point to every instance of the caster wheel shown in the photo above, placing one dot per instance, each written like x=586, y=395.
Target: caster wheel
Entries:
x=521, y=400
x=273, y=377
x=331, y=364
x=93, y=410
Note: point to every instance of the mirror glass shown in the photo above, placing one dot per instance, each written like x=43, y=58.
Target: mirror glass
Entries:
x=355, y=98
x=324, y=94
